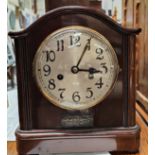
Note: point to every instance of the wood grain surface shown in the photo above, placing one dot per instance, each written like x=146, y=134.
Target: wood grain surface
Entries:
x=11, y=147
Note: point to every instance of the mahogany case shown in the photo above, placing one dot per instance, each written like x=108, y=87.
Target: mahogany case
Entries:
x=113, y=127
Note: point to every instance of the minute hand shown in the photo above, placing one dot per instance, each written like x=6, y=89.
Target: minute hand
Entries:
x=87, y=46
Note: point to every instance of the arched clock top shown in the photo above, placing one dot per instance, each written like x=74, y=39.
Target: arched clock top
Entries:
x=73, y=10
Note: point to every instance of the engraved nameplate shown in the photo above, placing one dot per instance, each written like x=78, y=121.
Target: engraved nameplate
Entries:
x=73, y=121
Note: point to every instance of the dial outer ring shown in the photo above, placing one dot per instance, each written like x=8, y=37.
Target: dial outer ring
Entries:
x=81, y=106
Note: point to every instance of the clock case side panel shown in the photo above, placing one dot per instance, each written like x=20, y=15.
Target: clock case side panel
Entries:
x=23, y=80
x=129, y=79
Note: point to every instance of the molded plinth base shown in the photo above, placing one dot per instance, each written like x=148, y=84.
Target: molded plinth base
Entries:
x=76, y=141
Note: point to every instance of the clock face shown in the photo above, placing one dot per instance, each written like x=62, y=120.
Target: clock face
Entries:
x=75, y=68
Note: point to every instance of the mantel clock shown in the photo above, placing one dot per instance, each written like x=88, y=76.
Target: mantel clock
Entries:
x=76, y=84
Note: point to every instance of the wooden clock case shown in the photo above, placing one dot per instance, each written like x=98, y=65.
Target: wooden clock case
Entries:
x=114, y=127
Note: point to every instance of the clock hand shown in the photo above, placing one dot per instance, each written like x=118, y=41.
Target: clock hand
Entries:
x=87, y=46
x=91, y=70
x=83, y=70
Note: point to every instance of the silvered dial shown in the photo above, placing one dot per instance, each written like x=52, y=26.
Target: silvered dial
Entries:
x=75, y=68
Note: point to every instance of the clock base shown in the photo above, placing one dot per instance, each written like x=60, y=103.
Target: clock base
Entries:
x=75, y=141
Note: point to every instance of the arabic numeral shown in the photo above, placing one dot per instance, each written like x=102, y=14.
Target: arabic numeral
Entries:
x=75, y=40
x=50, y=55
x=99, y=83
x=47, y=70
x=61, y=90
x=76, y=97
x=60, y=45
x=99, y=52
x=104, y=67
x=51, y=84
x=90, y=93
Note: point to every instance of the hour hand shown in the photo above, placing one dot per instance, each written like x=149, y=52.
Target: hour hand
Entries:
x=93, y=71
x=90, y=70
